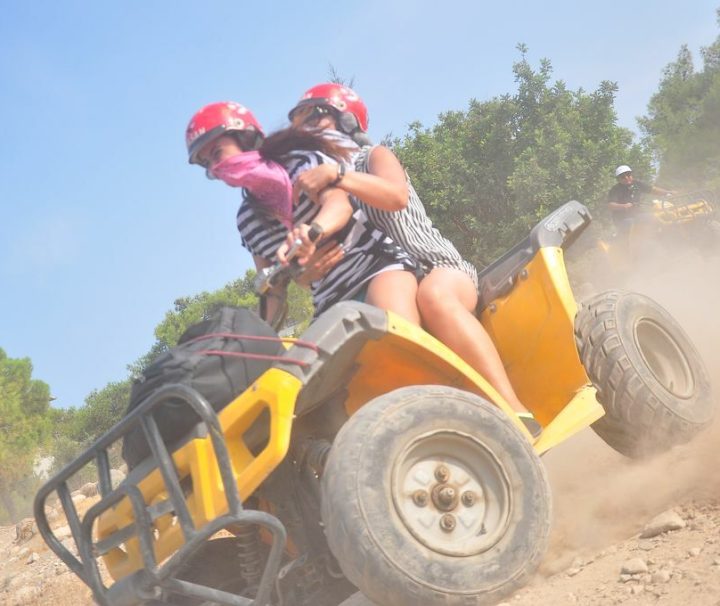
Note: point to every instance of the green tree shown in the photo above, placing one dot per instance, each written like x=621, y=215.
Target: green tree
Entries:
x=103, y=408
x=489, y=173
x=683, y=122
x=65, y=444
x=24, y=425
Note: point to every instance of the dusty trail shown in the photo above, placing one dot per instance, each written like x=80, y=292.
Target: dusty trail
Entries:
x=600, y=495
x=603, y=500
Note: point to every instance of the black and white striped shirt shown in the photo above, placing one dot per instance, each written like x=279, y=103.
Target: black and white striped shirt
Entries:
x=413, y=230
x=367, y=251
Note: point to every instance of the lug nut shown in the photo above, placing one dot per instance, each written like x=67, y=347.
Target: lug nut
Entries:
x=468, y=498
x=447, y=522
x=446, y=495
x=442, y=473
x=420, y=498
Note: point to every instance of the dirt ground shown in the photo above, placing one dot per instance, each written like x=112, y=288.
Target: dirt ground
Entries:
x=602, y=503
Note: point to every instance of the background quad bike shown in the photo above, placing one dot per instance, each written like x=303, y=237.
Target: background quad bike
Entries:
x=690, y=217
x=664, y=230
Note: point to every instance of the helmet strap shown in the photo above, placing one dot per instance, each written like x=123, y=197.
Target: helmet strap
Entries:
x=347, y=123
x=361, y=138
x=257, y=141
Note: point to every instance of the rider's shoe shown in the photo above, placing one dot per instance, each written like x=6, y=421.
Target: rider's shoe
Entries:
x=530, y=423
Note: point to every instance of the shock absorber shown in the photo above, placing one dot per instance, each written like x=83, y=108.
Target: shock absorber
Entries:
x=316, y=454
x=249, y=553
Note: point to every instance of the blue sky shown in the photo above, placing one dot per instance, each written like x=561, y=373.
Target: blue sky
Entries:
x=103, y=222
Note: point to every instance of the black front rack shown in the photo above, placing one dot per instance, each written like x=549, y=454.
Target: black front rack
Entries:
x=154, y=581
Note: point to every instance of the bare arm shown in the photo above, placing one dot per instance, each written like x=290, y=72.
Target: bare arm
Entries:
x=334, y=214
x=385, y=187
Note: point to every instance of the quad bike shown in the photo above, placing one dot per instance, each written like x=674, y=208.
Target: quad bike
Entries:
x=370, y=457
x=664, y=226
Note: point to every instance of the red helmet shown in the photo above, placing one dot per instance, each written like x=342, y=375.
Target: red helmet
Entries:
x=343, y=99
x=215, y=120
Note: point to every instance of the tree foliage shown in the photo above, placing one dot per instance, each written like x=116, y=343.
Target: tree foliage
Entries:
x=103, y=408
x=683, y=122
x=24, y=423
x=488, y=173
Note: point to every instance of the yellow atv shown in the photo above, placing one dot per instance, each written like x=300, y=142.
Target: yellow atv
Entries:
x=663, y=226
x=370, y=457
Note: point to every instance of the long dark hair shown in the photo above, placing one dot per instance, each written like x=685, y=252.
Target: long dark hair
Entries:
x=280, y=145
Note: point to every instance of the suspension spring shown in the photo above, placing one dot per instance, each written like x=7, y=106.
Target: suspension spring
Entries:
x=249, y=553
x=316, y=455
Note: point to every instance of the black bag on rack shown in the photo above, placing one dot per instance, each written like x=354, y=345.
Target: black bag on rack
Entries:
x=198, y=362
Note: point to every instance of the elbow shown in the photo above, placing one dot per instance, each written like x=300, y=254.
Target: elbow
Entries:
x=398, y=199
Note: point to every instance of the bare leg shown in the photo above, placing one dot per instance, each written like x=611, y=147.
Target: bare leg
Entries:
x=395, y=291
x=447, y=300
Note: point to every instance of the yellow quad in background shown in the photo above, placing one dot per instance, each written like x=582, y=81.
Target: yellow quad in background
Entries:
x=370, y=457
x=665, y=227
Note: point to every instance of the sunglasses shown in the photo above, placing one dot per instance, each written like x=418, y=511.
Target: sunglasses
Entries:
x=317, y=113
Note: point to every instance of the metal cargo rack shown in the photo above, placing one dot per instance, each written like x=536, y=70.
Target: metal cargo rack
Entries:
x=155, y=580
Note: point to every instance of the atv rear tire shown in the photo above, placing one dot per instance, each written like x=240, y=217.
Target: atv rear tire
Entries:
x=649, y=377
x=432, y=496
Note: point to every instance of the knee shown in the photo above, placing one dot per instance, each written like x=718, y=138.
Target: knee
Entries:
x=433, y=298
x=446, y=291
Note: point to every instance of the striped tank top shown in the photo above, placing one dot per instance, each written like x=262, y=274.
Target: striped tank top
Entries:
x=413, y=230
x=367, y=250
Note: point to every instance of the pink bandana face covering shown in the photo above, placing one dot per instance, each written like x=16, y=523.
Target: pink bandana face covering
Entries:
x=267, y=181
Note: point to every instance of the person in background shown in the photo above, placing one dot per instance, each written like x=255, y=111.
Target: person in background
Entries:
x=624, y=200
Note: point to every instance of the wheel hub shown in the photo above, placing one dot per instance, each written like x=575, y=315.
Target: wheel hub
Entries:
x=665, y=358
x=445, y=497
x=452, y=493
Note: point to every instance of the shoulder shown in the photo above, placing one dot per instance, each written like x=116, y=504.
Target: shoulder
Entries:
x=380, y=156
x=380, y=153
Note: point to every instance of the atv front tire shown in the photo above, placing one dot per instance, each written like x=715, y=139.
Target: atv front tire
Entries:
x=432, y=496
x=649, y=377
x=358, y=599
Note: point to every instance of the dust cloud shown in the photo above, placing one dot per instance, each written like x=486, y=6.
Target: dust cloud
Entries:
x=600, y=496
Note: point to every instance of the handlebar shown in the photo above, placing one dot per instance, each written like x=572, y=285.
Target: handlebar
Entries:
x=279, y=274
